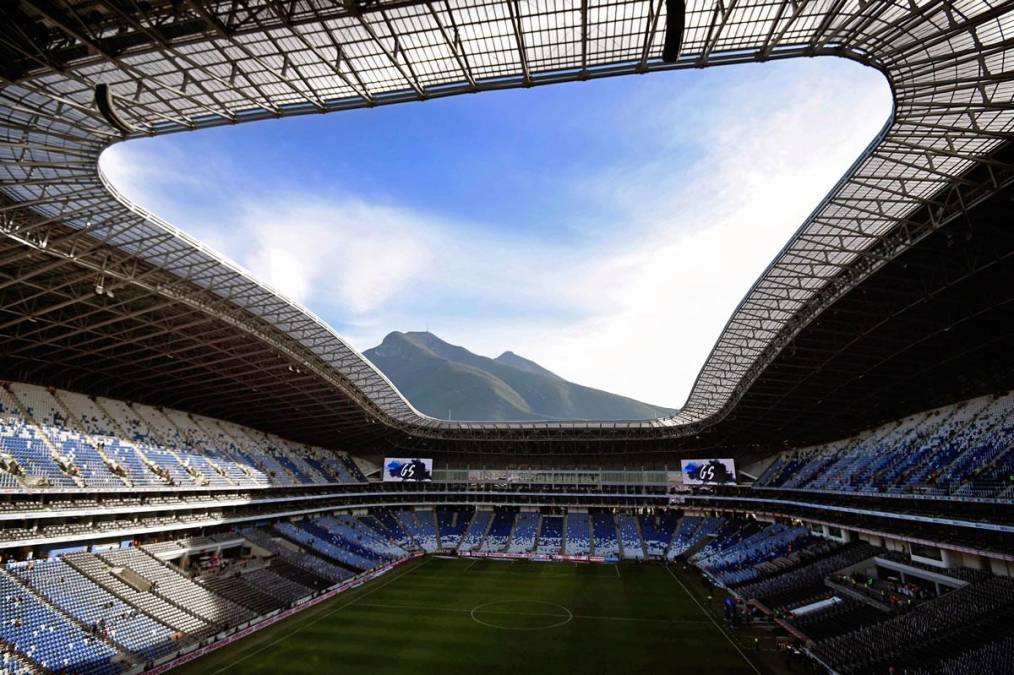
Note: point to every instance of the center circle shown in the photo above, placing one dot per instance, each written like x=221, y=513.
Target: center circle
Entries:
x=521, y=615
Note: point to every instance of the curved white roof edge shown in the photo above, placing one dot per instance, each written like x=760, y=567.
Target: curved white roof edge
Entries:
x=944, y=61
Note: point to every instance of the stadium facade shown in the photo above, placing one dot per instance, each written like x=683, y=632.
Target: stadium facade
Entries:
x=153, y=389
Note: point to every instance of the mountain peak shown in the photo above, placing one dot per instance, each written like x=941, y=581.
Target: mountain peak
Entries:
x=509, y=358
x=448, y=381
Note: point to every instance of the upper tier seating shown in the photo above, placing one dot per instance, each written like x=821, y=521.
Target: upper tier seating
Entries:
x=24, y=444
x=965, y=450
x=73, y=446
x=354, y=473
x=54, y=438
x=104, y=432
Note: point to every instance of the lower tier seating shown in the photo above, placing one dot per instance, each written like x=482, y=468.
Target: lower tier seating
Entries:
x=91, y=605
x=187, y=624
x=526, y=524
x=171, y=585
x=49, y=638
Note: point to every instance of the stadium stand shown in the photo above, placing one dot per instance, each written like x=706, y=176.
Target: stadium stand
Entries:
x=109, y=611
x=422, y=526
x=841, y=617
x=994, y=657
x=171, y=585
x=578, y=534
x=49, y=638
x=384, y=521
x=321, y=540
x=292, y=555
x=526, y=524
x=606, y=543
x=738, y=563
x=807, y=576
x=499, y=532
x=242, y=589
x=93, y=607
x=476, y=531
x=912, y=634
x=692, y=531
x=451, y=524
x=632, y=548
x=958, y=450
x=272, y=581
x=61, y=439
x=355, y=552
x=13, y=663
x=99, y=571
x=369, y=539
x=550, y=540
x=657, y=531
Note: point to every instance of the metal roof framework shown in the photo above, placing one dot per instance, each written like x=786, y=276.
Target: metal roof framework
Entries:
x=169, y=66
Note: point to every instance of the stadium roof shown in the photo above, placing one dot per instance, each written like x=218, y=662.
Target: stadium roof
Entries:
x=99, y=296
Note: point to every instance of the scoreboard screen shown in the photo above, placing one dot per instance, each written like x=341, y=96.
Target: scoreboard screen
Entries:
x=404, y=469
x=708, y=471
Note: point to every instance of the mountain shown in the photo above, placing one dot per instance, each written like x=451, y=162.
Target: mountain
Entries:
x=445, y=380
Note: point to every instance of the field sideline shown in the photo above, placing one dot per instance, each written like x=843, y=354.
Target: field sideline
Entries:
x=438, y=615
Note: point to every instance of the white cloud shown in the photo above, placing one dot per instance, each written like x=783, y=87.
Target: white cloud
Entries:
x=700, y=195
x=342, y=254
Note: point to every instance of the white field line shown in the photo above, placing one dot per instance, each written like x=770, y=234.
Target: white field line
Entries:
x=427, y=608
x=317, y=619
x=713, y=622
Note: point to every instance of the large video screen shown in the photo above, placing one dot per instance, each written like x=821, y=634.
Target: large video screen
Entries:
x=708, y=471
x=403, y=469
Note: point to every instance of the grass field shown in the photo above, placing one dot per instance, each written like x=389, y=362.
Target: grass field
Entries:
x=459, y=616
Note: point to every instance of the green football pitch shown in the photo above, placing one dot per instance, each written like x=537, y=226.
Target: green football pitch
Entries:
x=438, y=615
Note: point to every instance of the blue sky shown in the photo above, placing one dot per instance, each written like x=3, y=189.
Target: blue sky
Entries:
x=605, y=229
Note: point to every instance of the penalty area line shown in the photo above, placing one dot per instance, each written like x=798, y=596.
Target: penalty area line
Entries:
x=713, y=622
x=317, y=619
